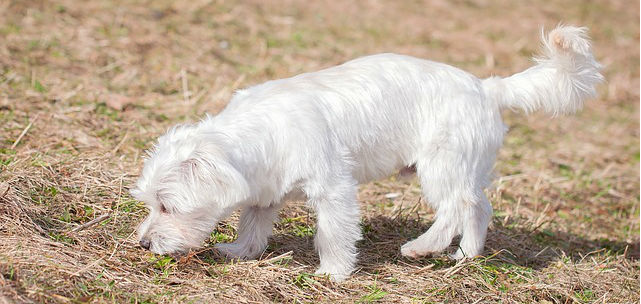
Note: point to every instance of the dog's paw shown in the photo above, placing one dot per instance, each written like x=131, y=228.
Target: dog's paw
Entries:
x=460, y=254
x=229, y=250
x=237, y=251
x=457, y=255
x=414, y=249
x=334, y=276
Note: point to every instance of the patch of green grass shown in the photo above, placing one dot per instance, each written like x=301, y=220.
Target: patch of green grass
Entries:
x=142, y=143
x=39, y=163
x=392, y=280
x=220, y=237
x=585, y=295
x=76, y=214
x=6, y=116
x=164, y=264
x=161, y=117
x=60, y=8
x=9, y=28
x=500, y=274
x=517, y=273
x=103, y=288
x=103, y=110
x=441, y=291
x=8, y=271
x=60, y=237
x=544, y=237
x=366, y=228
x=303, y=231
x=43, y=195
x=65, y=216
x=566, y=170
x=304, y=280
x=298, y=226
x=7, y=156
x=440, y=263
x=37, y=85
x=273, y=42
x=217, y=272
x=130, y=205
x=376, y=294
x=490, y=275
x=106, y=133
x=298, y=39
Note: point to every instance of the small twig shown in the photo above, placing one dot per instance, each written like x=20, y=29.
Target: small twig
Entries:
x=238, y=81
x=414, y=209
x=92, y=222
x=537, y=227
x=92, y=264
x=5, y=190
x=541, y=252
x=120, y=143
x=402, y=199
x=118, y=245
x=457, y=267
x=109, y=67
x=398, y=210
x=26, y=129
x=197, y=97
x=539, y=221
x=423, y=269
x=71, y=93
x=285, y=255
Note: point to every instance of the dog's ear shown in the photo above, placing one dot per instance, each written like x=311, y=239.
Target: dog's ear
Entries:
x=213, y=179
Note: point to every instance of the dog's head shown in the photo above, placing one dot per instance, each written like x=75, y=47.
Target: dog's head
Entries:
x=188, y=184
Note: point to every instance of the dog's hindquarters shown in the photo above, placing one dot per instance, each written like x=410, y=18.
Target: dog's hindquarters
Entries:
x=454, y=171
x=454, y=167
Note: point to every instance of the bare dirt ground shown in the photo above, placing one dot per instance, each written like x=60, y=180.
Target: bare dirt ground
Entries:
x=86, y=86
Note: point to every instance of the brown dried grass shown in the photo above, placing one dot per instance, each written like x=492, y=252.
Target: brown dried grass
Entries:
x=86, y=86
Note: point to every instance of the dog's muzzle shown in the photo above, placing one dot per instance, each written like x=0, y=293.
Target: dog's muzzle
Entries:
x=145, y=243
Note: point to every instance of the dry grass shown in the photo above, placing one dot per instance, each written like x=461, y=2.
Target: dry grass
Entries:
x=85, y=86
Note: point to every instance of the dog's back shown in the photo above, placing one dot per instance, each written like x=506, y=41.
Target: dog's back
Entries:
x=393, y=104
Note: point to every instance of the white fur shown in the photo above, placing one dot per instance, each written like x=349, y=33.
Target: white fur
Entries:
x=318, y=135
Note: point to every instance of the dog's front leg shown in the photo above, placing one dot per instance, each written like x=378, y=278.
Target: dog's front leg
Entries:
x=254, y=228
x=338, y=229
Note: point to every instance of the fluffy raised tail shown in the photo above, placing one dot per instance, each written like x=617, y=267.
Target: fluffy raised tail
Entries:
x=560, y=81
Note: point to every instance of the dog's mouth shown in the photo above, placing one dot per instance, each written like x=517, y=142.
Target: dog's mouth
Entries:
x=159, y=246
x=174, y=253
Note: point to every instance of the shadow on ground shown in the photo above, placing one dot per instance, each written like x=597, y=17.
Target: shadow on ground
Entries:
x=383, y=237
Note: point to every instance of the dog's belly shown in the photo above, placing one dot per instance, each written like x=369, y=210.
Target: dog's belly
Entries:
x=380, y=162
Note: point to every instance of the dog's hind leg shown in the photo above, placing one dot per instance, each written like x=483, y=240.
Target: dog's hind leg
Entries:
x=477, y=216
x=448, y=182
x=337, y=227
x=254, y=228
x=439, y=236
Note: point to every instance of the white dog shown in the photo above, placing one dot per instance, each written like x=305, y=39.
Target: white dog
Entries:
x=318, y=135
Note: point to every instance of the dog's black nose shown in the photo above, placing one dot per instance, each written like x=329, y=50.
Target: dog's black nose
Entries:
x=145, y=243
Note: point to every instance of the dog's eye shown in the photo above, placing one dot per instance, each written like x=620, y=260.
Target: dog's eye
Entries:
x=163, y=209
